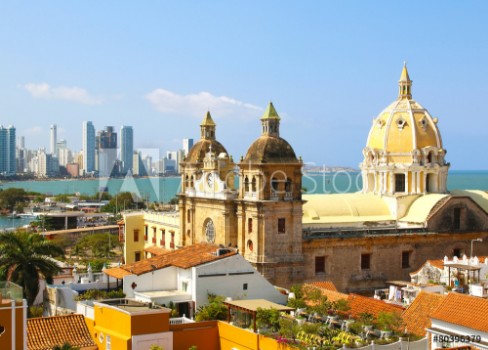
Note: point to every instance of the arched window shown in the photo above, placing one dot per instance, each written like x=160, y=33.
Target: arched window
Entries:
x=246, y=184
x=253, y=184
x=210, y=231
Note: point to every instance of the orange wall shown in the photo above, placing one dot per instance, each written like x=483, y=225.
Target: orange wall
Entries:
x=203, y=335
x=149, y=323
x=6, y=321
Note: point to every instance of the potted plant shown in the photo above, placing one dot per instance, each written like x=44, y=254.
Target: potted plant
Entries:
x=388, y=322
x=366, y=319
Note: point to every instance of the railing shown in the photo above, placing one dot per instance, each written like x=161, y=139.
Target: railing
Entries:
x=250, y=195
x=180, y=320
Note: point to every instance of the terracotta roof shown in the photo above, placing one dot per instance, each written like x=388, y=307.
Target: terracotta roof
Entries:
x=44, y=333
x=185, y=258
x=417, y=315
x=154, y=250
x=324, y=285
x=360, y=304
x=116, y=272
x=463, y=310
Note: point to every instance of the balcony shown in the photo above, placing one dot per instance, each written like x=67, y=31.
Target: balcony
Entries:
x=250, y=195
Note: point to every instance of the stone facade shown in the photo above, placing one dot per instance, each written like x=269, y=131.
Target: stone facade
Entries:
x=343, y=256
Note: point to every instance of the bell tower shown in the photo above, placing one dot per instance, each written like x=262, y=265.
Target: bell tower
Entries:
x=269, y=210
x=206, y=201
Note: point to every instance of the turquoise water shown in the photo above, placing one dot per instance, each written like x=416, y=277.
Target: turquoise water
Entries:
x=162, y=189
x=165, y=188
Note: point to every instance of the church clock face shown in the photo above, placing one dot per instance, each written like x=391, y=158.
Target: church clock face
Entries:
x=210, y=231
x=210, y=179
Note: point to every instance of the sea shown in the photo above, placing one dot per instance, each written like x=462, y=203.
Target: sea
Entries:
x=163, y=189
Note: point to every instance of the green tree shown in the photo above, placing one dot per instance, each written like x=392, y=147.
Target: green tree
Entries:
x=12, y=197
x=214, y=310
x=268, y=318
x=97, y=245
x=25, y=259
x=123, y=200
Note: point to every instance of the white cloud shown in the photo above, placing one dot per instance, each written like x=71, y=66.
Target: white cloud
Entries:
x=166, y=101
x=35, y=130
x=73, y=94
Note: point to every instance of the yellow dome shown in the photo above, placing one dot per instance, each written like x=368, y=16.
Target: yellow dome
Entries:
x=404, y=127
x=404, y=152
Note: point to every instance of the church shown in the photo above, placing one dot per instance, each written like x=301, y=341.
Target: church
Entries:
x=403, y=216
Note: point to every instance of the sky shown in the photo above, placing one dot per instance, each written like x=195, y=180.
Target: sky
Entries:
x=329, y=67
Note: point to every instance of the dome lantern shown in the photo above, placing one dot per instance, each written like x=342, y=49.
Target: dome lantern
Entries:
x=404, y=84
x=270, y=121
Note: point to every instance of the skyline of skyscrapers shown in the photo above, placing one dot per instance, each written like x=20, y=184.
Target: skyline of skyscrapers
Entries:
x=102, y=154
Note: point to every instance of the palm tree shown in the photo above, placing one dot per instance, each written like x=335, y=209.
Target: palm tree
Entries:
x=24, y=259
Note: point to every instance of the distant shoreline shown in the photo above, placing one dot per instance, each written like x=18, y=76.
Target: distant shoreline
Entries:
x=51, y=179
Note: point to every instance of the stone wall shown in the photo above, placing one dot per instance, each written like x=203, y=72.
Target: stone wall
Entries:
x=343, y=257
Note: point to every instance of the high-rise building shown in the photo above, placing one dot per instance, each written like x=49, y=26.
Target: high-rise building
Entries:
x=187, y=145
x=54, y=140
x=63, y=153
x=106, y=144
x=8, y=163
x=126, y=148
x=88, y=147
x=21, y=155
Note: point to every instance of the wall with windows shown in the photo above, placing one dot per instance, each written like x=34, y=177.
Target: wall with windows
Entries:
x=366, y=262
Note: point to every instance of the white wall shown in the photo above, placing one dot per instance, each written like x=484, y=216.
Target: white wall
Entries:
x=162, y=279
x=229, y=285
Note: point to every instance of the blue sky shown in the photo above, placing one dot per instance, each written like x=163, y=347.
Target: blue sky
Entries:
x=328, y=66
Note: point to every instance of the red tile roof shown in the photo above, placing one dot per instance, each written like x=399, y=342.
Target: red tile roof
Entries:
x=44, y=333
x=360, y=304
x=324, y=285
x=154, y=250
x=417, y=315
x=331, y=294
x=463, y=310
x=185, y=258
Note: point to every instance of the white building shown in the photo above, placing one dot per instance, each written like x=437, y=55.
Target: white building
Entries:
x=466, y=275
x=53, y=140
x=186, y=276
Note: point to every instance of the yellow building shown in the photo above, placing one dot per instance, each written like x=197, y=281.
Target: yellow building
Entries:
x=124, y=324
x=146, y=234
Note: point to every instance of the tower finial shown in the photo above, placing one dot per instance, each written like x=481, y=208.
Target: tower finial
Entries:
x=404, y=84
x=270, y=121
